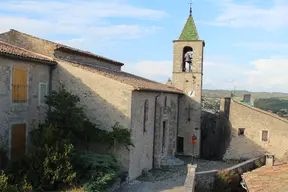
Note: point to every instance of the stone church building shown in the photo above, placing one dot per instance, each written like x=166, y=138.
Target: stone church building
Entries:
x=162, y=118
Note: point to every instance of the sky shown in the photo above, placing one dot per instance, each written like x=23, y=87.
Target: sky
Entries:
x=246, y=40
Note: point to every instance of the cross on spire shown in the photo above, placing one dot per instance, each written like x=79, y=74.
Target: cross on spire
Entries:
x=190, y=7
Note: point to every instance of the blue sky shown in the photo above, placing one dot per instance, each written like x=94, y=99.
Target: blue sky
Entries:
x=246, y=40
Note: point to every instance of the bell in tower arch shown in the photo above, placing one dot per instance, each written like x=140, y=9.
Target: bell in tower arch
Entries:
x=187, y=59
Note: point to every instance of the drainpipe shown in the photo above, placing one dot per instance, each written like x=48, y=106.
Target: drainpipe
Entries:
x=154, y=130
x=178, y=115
x=52, y=67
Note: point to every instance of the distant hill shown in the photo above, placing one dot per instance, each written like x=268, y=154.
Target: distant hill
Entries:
x=240, y=93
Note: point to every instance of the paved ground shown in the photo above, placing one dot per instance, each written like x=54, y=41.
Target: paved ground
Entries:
x=172, y=179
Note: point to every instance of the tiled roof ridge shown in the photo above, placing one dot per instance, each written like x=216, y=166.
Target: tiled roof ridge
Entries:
x=261, y=111
x=94, y=69
x=41, y=57
x=59, y=45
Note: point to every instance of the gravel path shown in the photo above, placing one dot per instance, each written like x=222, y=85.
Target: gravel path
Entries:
x=170, y=179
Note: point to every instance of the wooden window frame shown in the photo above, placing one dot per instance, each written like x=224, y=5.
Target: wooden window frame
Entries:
x=10, y=137
x=11, y=86
x=39, y=93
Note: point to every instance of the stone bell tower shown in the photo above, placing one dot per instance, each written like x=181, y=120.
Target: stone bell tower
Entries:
x=187, y=76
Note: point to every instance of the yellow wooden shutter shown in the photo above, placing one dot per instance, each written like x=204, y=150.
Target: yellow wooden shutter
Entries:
x=19, y=84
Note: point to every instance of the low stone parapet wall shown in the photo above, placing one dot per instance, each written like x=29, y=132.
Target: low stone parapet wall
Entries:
x=215, y=180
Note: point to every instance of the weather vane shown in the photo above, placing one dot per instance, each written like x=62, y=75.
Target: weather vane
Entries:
x=191, y=2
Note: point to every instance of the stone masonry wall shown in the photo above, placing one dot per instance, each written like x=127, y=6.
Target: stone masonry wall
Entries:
x=31, y=112
x=141, y=156
x=254, y=121
x=106, y=101
x=190, y=106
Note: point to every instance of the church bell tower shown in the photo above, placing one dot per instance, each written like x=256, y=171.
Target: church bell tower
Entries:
x=187, y=76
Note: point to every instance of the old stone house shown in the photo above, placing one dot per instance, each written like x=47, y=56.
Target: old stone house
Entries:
x=162, y=118
x=254, y=132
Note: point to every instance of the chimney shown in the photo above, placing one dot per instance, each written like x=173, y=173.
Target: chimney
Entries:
x=269, y=159
x=247, y=98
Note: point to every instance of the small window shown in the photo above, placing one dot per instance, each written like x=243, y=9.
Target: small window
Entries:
x=165, y=101
x=241, y=131
x=43, y=91
x=264, y=135
x=146, y=111
x=19, y=84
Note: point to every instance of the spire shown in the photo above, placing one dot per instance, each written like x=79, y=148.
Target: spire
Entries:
x=189, y=31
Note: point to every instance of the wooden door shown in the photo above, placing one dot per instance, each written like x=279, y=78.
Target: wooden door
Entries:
x=18, y=141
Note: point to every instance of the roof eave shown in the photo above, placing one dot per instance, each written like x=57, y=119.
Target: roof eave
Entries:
x=28, y=58
x=158, y=90
x=87, y=54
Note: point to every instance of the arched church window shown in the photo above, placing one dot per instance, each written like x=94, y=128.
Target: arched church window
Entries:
x=146, y=111
x=187, y=59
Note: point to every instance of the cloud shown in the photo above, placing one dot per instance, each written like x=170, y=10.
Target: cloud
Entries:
x=248, y=15
x=155, y=70
x=262, y=45
x=90, y=21
x=259, y=75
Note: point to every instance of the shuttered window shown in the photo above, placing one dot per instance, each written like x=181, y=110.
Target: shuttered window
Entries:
x=18, y=141
x=19, y=84
x=43, y=90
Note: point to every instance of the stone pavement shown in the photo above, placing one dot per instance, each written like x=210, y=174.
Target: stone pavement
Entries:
x=170, y=179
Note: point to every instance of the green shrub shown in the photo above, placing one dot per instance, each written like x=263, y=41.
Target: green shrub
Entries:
x=4, y=184
x=99, y=171
x=51, y=159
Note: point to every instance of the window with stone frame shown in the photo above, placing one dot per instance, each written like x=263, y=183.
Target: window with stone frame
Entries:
x=146, y=112
x=19, y=84
x=43, y=92
x=264, y=135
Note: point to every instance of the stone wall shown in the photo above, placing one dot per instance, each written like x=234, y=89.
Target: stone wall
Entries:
x=30, y=112
x=189, y=81
x=106, y=101
x=206, y=181
x=254, y=120
x=141, y=156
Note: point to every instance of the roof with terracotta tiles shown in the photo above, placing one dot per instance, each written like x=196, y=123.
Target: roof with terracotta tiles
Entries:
x=138, y=83
x=268, y=179
x=71, y=49
x=86, y=53
x=261, y=111
x=11, y=50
